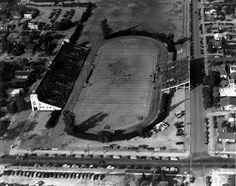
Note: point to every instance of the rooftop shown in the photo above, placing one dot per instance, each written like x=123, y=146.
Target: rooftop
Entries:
x=227, y=101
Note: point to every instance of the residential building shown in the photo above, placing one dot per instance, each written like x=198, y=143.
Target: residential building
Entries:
x=228, y=103
x=229, y=91
x=31, y=13
x=23, y=74
x=33, y=26
x=15, y=92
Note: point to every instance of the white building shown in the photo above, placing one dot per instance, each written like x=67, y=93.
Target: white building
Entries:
x=229, y=91
x=28, y=16
x=15, y=92
x=33, y=26
x=232, y=69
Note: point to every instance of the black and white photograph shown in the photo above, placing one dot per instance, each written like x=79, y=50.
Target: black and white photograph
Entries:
x=117, y=92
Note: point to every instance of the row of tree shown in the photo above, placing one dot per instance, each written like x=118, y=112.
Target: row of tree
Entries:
x=75, y=36
x=210, y=90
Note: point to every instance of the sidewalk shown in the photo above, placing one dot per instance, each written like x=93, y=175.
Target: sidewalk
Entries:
x=104, y=152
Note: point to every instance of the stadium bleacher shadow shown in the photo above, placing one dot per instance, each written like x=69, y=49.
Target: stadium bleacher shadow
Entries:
x=91, y=122
x=197, y=72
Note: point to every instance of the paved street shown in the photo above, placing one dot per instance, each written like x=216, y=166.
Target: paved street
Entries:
x=196, y=35
x=208, y=162
x=198, y=148
x=197, y=111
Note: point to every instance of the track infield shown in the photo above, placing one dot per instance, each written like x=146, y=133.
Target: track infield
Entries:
x=121, y=85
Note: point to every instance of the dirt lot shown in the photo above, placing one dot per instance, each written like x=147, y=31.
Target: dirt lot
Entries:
x=120, y=84
x=155, y=16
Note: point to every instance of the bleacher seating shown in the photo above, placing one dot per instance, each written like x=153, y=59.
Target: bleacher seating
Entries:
x=58, y=82
x=175, y=73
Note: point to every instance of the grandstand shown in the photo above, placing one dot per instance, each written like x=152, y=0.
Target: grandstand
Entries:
x=56, y=85
x=175, y=73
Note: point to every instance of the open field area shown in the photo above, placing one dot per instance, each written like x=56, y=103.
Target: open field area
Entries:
x=155, y=16
x=120, y=88
x=108, y=180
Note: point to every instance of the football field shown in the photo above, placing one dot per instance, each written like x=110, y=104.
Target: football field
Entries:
x=120, y=88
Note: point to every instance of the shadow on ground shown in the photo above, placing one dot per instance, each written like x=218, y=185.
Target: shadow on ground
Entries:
x=91, y=122
x=30, y=126
x=14, y=132
x=176, y=105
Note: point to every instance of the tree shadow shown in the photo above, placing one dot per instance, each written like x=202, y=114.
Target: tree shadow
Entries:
x=30, y=126
x=91, y=122
x=31, y=136
x=14, y=132
x=176, y=105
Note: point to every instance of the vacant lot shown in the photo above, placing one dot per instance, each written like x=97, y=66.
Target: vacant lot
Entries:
x=153, y=15
x=120, y=84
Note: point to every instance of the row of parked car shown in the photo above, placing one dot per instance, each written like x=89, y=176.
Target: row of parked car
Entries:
x=12, y=184
x=69, y=14
x=46, y=174
x=60, y=4
x=206, y=127
x=55, y=14
x=180, y=128
x=35, y=155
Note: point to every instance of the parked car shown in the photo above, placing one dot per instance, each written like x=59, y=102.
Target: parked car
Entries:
x=179, y=114
x=110, y=167
x=174, y=170
x=163, y=148
x=179, y=143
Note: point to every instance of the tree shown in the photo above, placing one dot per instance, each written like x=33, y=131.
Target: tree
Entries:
x=104, y=136
x=206, y=80
x=214, y=78
x=106, y=30
x=207, y=97
x=20, y=103
x=19, y=49
x=11, y=107
x=69, y=119
x=64, y=24
x=3, y=126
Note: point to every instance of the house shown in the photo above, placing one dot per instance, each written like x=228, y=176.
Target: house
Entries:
x=15, y=92
x=231, y=118
x=216, y=43
x=31, y=13
x=229, y=91
x=33, y=26
x=3, y=4
x=23, y=74
x=228, y=103
x=226, y=129
x=232, y=69
x=16, y=14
